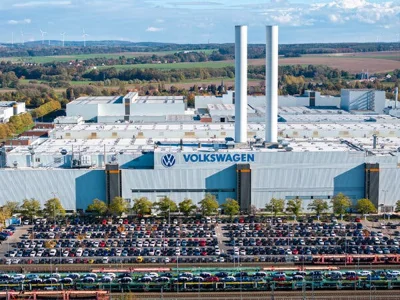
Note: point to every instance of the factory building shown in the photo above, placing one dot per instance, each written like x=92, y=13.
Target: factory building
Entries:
x=307, y=147
x=9, y=109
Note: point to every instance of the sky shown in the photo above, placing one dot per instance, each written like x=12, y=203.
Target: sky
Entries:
x=194, y=21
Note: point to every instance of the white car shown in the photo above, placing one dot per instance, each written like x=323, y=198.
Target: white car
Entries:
x=364, y=273
x=217, y=252
x=79, y=252
x=65, y=253
x=242, y=252
x=33, y=253
x=53, y=252
x=394, y=273
x=118, y=252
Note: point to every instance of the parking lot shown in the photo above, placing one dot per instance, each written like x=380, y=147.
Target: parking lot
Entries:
x=208, y=240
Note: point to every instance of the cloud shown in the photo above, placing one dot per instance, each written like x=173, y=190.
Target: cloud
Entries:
x=16, y=22
x=42, y=3
x=154, y=29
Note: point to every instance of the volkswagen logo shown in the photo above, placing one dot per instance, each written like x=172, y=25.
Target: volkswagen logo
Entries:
x=168, y=160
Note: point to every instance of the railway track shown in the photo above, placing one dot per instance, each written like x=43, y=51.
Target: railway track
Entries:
x=89, y=267
x=277, y=295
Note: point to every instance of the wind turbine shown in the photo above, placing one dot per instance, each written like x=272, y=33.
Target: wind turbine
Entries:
x=63, y=38
x=84, y=35
x=43, y=33
x=22, y=36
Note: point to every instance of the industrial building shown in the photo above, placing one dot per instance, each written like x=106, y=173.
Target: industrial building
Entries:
x=9, y=109
x=250, y=148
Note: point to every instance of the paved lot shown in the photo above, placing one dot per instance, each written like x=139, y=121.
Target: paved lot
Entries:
x=15, y=238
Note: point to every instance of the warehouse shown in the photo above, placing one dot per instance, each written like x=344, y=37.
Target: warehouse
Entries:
x=297, y=150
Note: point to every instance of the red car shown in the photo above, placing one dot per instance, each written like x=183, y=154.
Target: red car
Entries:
x=280, y=278
x=352, y=277
x=358, y=220
x=212, y=279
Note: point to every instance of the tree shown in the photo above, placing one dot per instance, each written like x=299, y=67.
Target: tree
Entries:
x=118, y=206
x=294, y=207
x=209, y=205
x=187, y=207
x=340, y=204
x=365, y=206
x=397, y=209
x=53, y=208
x=275, y=206
x=319, y=206
x=5, y=214
x=231, y=207
x=166, y=205
x=142, y=206
x=30, y=208
x=99, y=207
x=12, y=206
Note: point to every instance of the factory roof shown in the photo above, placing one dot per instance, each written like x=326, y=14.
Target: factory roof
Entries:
x=199, y=126
x=126, y=146
x=158, y=99
x=91, y=100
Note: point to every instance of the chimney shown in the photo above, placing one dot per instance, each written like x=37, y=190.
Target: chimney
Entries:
x=396, y=96
x=241, y=84
x=271, y=85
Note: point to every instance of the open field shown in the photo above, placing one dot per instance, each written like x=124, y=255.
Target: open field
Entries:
x=66, y=58
x=208, y=64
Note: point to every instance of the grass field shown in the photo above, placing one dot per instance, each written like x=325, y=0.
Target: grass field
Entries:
x=66, y=58
x=208, y=64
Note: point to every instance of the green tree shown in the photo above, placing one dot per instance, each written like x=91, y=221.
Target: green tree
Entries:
x=231, y=207
x=365, y=206
x=209, y=205
x=187, y=207
x=294, y=207
x=12, y=206
x=142, y=206
x=275, y=206
x=98, y=207
x=166, y=205
x=340, y=204
x=397, y=209
x=53, y=208
x=30, y=208
x=319, y=206
x=118, y=206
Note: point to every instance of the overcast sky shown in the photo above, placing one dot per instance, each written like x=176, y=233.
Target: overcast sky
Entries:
x=193, y=21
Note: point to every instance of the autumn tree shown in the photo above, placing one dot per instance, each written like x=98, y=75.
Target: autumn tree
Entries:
x=275, y=206
x=12, y=206
x=98, y=207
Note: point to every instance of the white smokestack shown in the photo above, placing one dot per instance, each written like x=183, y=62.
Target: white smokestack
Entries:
x=271, y=85
x=240, y=84
x=396, y=96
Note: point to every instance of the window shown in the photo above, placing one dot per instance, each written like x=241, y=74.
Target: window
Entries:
x=37, y=159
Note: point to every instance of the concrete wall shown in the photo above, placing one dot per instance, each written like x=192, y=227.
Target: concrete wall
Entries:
x=88, y=112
